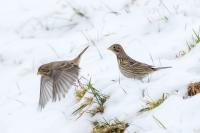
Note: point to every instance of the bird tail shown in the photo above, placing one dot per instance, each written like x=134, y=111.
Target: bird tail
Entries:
x=158, y=68
x=79, y=56
x=77, y=59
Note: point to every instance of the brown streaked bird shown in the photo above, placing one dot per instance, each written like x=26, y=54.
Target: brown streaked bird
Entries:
x=129, y=67
x=57, y=78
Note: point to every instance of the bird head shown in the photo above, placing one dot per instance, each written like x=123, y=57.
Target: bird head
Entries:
x=44, y=70
x=116, y=48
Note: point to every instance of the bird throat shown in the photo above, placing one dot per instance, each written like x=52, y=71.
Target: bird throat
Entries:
x=121, y=58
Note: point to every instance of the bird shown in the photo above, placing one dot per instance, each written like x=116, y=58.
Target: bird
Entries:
x=57, y=78
x=131, y=68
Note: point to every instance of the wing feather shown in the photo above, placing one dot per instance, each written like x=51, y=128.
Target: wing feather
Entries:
x=63, y=79
x=45, y=91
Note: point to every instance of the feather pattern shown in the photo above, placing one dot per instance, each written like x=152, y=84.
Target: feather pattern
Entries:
x=57, y=78
x=130, y=67
x=63, y=79
x=46, y=87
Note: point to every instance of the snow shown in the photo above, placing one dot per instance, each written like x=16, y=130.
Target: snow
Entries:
x=35, y=32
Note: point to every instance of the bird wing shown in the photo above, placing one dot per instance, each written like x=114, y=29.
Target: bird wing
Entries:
x=63, y=78
x=46, y=87
x=139, y=67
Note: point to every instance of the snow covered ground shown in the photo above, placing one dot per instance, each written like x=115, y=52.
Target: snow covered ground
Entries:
x=33, y=32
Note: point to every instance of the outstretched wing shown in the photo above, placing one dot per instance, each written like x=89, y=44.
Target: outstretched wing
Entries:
x=63, y=79
x=46, y=88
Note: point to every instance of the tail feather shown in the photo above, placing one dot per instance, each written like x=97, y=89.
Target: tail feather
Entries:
x=77, y=59
x=158, y=68
x=79, y=56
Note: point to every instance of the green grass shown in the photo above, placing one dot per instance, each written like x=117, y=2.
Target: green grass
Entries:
x=190, y=45
x=151, y=104
x=91, y=103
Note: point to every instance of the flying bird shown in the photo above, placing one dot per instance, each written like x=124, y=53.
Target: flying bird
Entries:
x=57, y=78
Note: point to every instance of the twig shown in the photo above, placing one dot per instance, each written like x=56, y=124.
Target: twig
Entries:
x=78, y=12
x=17, y=101
x=19, y=88
x=123, y=90
x=159, y=122
x=143, y=93
x=165, y=6
x=93, y=43
x=111, y=10
x=119, y=81
x=151, y=58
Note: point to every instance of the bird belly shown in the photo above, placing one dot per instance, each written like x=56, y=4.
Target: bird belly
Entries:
x=132, y=74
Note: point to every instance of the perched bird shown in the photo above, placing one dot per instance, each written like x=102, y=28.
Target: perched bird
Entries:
x=129, y=67
x=57, y=78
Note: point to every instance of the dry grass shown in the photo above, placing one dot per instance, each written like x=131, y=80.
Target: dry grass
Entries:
x=81, y=90
x=193, y=88
x=90, y=99
x=159, y=122
x=151, y=104
x=115, y=126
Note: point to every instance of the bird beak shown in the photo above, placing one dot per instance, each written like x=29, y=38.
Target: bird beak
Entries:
x=109, y=48
x=38, y=73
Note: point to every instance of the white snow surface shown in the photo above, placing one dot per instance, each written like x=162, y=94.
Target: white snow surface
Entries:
x=34, y=32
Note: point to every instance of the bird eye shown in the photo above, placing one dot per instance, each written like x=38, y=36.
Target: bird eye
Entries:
x=114, y=47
